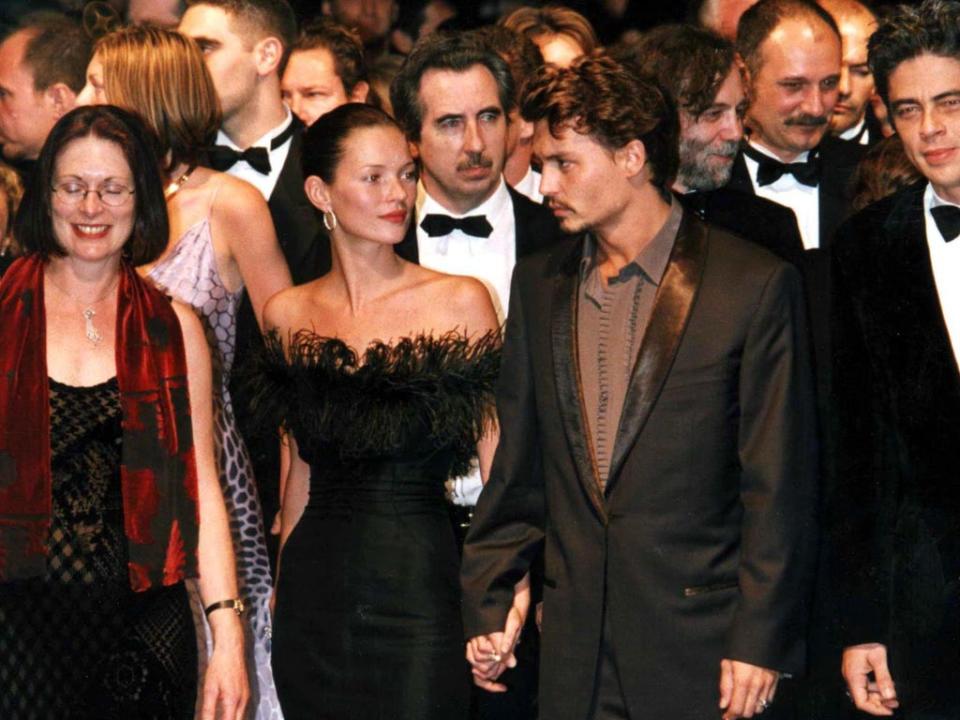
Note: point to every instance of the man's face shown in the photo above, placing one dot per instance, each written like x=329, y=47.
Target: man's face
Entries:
x=925, y=107
x=582, y=182
x=856, y=80
x=311, y=86
x=463, y=137
x=229, y=56
x=794, y=91
x=709, y=142
x=371, y=18
x=26, y=115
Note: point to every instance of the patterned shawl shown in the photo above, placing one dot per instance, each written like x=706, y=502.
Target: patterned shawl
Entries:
x=158, y=473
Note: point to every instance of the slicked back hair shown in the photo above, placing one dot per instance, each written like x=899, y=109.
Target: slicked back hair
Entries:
x=344, y=45
x=759, y=21
x=438, y=51
x=553, y=20
x=612, y=103
x=932, y=28
x=259, y=19
x=690, y=62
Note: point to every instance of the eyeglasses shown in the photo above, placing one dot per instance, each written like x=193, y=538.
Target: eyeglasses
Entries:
x=111, y=194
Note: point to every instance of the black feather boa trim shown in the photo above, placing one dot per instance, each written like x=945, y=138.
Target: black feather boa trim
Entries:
x=365, y=405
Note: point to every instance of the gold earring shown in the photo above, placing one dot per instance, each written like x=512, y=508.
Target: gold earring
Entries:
x=329, y=220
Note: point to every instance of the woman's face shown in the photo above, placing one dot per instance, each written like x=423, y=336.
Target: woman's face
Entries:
x=93, y=92
x=373, y=190
x=85, y=226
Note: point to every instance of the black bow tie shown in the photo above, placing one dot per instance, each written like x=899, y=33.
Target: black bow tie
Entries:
x=947, y=218
x=223, y=157
x=769, y=169
x=437, y=225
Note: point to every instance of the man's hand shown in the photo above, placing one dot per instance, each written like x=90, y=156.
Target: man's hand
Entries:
x=489, y=655
x=745, y=689
x=879, y=696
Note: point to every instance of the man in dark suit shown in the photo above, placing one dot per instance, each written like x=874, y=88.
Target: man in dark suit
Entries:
x=453, y=98
x=699, y=71
x=245, y=45
x=656, y=434
x=895, y=513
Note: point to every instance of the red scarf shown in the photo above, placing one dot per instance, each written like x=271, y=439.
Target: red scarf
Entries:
x=158, y=473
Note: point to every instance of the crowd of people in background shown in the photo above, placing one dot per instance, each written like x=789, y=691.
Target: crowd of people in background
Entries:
x=493, y=361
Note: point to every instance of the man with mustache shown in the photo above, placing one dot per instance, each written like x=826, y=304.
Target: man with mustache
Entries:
x=453, y=97
x=656, y=434
x=699, y=71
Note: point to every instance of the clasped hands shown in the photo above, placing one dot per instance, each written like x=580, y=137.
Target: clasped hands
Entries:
x=489, y=655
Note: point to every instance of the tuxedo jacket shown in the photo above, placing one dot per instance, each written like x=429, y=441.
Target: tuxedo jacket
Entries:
x=838, y=161
x=701, y=546
x=752, y=217
x=894, y=513
x=536, y=228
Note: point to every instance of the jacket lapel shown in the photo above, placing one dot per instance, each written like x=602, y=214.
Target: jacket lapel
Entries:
x=668, y=320
x=566, y=369
x=740, y=176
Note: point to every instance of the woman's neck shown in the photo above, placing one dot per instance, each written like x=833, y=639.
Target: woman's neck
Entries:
x=365, y=270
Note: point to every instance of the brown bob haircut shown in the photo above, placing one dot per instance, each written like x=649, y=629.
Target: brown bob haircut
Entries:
x=553, y=20
x=600, y=97
x=33, y=227
x=161, y=75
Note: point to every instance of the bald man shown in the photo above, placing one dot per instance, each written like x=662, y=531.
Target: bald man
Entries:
x=852, y=118
x=722, y=16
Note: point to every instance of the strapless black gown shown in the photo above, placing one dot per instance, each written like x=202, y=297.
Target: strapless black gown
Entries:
x=367, y=623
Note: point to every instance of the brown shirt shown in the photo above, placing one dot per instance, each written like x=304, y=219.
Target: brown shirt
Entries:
x=612, y=317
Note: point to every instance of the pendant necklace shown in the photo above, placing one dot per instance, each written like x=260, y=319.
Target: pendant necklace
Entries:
x=91, y=331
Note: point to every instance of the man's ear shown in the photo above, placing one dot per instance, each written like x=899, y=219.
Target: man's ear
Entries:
x=60, y=98
x=414, y=149
x=267, y=54
x=526, y=130
x=360, y=92
x=632, y=158
x=318, y=193
x=402, y=42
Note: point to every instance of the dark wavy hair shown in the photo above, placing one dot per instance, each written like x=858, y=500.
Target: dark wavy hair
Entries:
x=910, y=31
x=553, y=20
x=689, y=61
x=520, y=52
x=33, y=227
x=601, y=97
x=758, y=21
x=325, y=140
x=438, y=51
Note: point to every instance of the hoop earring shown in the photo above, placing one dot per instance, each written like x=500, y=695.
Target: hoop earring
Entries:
x=329, y=220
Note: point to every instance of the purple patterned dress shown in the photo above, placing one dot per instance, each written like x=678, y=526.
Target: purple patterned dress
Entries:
x=189, y=274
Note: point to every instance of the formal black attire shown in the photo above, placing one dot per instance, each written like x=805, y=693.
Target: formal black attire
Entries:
x=367, y=621
x=306, y=248
x=712, y=478
x=895, y=510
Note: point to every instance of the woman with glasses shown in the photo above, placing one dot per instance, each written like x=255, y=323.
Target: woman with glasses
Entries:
x=222, y=243
x=108, y=485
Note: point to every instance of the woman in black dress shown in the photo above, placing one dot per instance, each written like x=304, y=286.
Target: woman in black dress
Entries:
x=108, y=486
x=383, y=373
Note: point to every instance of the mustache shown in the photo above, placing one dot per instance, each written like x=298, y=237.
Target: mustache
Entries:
x=806, y=120
x=475, y=160
x=729, y=148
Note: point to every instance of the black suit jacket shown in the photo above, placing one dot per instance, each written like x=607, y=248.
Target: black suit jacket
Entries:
x=895, y=508
x=838, y=159
x=752, y=217
x=701, y=546
x=536, y=228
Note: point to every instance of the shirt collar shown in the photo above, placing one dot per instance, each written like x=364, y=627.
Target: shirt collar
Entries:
x=491, y=207
x=651, y=261
x=263, y=140
x=932, y=200
x=854, y=132
x=801, y=158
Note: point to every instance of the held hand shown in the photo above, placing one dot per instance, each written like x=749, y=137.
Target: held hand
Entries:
x=491, y=654
x=878, y=697
x=745, y=690
x=225, y=690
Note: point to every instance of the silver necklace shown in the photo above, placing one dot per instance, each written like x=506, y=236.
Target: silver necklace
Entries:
x=91, y=331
